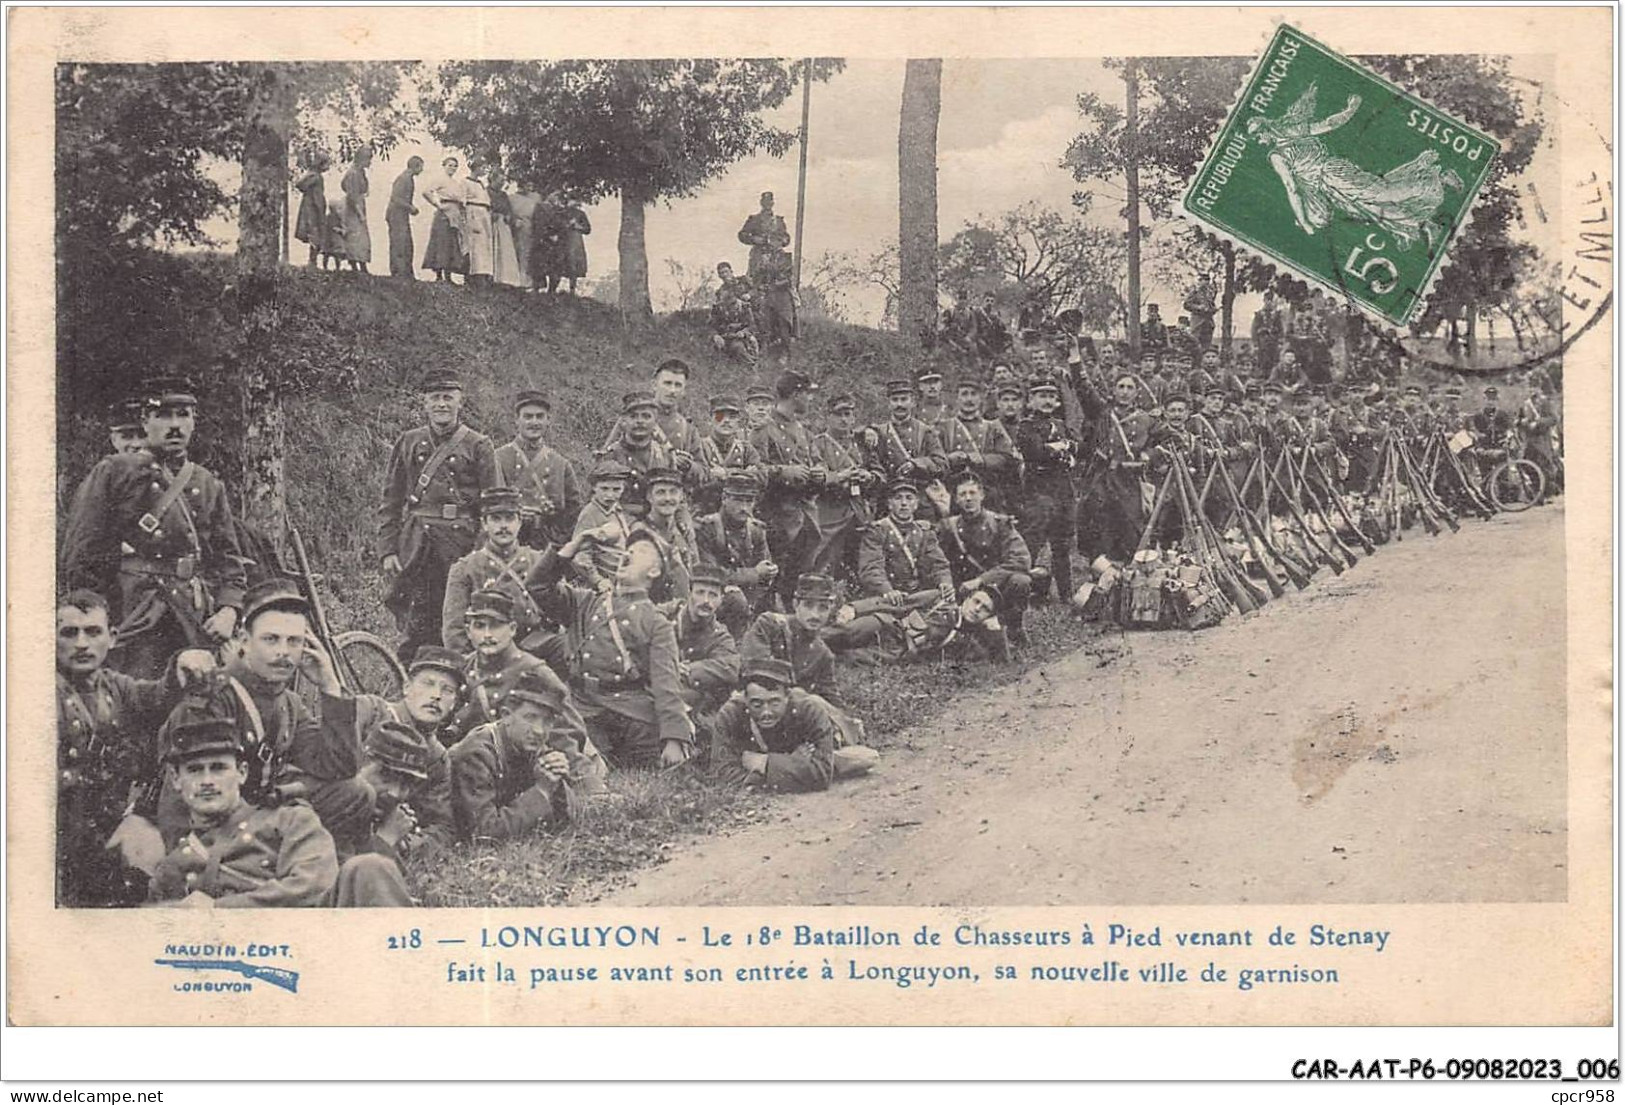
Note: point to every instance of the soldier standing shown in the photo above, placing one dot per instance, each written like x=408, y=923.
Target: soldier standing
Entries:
x=1049, y=453
x=426, y=520
x=153, y=532
x=734, y=541
x=977, y=444
x=1266, y=333
x=843, y=510
x=549, y=487
x=793, y=476
x=1200, y=305
x=908, y=448
x=765, y=234
x=625, y=660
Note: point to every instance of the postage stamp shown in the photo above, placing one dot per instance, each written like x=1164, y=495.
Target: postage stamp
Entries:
x=1332, y=171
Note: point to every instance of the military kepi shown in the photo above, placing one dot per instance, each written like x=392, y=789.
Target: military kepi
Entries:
x=168, y=390
x=442, y=379
x=274, y=594
x=498, y=500
x=203, y=736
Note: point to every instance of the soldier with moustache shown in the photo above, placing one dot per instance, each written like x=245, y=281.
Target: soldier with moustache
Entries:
x=977, y=444
x=641, y=444
x=900, y=554
x=501, y=562
x=550, y=491
x=674, y=429
x=669, y=522
x=929, y=407
x=1112, y=496
x=708, y=655
x=724, y=451
x=152, y=531
x=427, y=518
x=793, y=478
x=734, y=541
x=1049, y=514
x=844, y=451
x=908, y=448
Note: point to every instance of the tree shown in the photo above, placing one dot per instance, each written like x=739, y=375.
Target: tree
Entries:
x=917, y=197
x=642, y=130
x=694, y=287
x=1037, y=252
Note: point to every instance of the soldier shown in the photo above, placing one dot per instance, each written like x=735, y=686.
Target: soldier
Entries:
x=1492, y=424
x=735, y=541
x=1010, y=403
x=230, y=853
x=774, y=734
x=899, y=555
x=798, y=637
x=1153, y=331
x=125, y=432
x=776, y=325
x=1201, y=307
x=410, y=781
x=638, y=442
x=550, y=491
x=843, y=511
x=759, y=403
x=708, y=657
x=496, y=662
x=501, y=562
x=724, y=451
x=674, y=430
x=930, y=408
x=513, y=775
x=279, y=734
x=668, y=521
x=152, y=532
x=949, y=629
x=765, y=234
x=426, y=521
x=793, y=477
x=1001, y=374
x=986, y=553
x=104, y=856
x=1451, y=418
x=1538, y=423
x=977, y=444
x=733, y=317
x=908, y=448
x=625, y=676
x=597, y=562
x=1049, y=453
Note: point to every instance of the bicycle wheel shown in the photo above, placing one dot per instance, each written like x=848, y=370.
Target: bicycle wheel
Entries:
x=370, y=662
x=1516, y=485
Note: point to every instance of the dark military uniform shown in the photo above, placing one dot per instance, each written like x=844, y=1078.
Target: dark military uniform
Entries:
x=105, y=755
x=901, y=556
x=788, y=505
x=429, y=797
x=800, y=750
x=712, y=657
x=1115, y=505
x=989, y=549
x=496, y=793
x=765, y=233
x=737, y=455
x=781, y=637
x=983, y=446
x=160, y=544
x=486, y=688
x=254, y=859
x=1049, y=509
x=483, y=568
x=550, y=490
x=428, y=519
x=910, y=449
x=843, y=512
x=624, y=664
x=736, y=550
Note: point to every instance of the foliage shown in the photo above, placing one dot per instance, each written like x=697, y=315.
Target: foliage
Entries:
x=1035, y=252
x=641, y=129
x=694, y=288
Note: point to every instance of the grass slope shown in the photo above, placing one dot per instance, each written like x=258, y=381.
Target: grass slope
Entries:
x=357, y=348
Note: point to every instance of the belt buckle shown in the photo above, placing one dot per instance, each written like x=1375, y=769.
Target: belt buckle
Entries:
x=448, y=511
x=147, y=523
x=186, y=567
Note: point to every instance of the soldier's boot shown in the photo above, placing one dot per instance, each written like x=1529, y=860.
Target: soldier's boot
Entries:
x=1061, y=570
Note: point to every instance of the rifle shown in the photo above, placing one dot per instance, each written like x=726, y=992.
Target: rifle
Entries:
x=877, y=604
x=318, y=614
x=276, y=976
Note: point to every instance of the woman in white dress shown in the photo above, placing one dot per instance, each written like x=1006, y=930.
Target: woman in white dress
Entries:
x=505, y=261
x=477, y=224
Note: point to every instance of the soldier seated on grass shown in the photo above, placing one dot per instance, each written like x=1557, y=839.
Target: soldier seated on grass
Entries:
x=776, y=735
x=519, y=773
x=232, y=854
x=409, y=778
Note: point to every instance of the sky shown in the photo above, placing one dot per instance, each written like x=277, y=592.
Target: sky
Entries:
x=1004, y=128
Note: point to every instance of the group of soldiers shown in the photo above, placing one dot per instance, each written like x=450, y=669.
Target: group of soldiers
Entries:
x=755, y=314
x=686, y=600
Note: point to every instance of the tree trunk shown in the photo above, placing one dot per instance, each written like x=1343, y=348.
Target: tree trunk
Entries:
x=917, y=198
x=261, y=207
x=1227, y=303
x=1131, y=176
x=636, y=308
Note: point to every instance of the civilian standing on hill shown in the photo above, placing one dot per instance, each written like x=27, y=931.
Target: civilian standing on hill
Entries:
x=524, y=203
x=357, y=238
x=559, y=247
x=505, y=258
x=398, y=217
x=477, y=226
x=310, y=226
x=447, y=251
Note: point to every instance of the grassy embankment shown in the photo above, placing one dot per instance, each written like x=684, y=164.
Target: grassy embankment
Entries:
x=363, y=344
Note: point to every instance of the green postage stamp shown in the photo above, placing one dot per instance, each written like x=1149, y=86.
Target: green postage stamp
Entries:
x=1329, y=170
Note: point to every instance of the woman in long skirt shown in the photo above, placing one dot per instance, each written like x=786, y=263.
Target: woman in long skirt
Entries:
x=310, y=225
x=505, y=259
x=477, y=226
x=574, y=245
x=446, y=253
x=523, y=204
x=357, y=236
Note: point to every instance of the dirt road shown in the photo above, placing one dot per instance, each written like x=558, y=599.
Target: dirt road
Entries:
x=1395, y=734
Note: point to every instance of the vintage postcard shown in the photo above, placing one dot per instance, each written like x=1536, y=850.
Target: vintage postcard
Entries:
x=812, y=517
